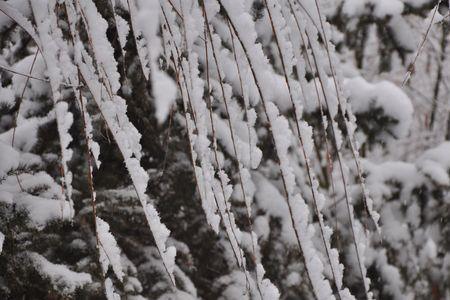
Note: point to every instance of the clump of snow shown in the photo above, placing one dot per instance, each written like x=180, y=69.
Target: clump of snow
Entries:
x=403, y=33
x=381, y=8
x=42, y=210
x=160, y=234
x=384, y=94
x=145, y=24
x=268, y=289
x=385, y=8
x=62, y=278
x=109, y=251
x=18, y=17
x=354, y=7
x=122, y=29
x=109, y=290
x=26, y=133
x=428, y=252
x=435, y=163
x=165, y=92
x=380, y=175
x=6, y=97
x=9, y=160
x=2, y=240
x=103, y=51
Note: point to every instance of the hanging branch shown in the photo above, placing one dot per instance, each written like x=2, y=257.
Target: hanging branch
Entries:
x=113, y=110
x=411, y=66
x=241, y=168
x=323, y=120
x=139, y=40
x=277, y=125
x=350, y=126
x=64, y=118
x=335, y=131
x=285, y=51
x=21, y=21
x=206, y=178
x=19, y=103
x=206, y=195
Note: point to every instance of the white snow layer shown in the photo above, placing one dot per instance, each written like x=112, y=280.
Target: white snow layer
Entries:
x=62, y=278
x=385, y=95
x=109, y=251
x=2, y=240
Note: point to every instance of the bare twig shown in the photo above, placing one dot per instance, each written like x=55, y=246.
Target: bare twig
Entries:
x=421, y=45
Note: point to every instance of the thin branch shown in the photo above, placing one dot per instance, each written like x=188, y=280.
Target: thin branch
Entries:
x=29, y=76
x=421, y=46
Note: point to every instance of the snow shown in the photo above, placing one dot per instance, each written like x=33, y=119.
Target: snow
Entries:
x=43, y=210
x=62, y=278
x=353, y=8
x=122, y=29
x=2, y=240
x=208, y=203
x=48, y=36
x=384, y=94
x=109, y=290
x=37, y=87
x=145, y=22
x=94, y=147
x=12, y=12
x=382, y=8
x=109, y=251
x=165, y=92
x=246, y=148
x=222, y=191
x=9, y=160
x=293, y=279
x=160, y=234
x=298, y=209
x=429, y=252
x=403, y=33
x=390, y=276
x=176, y=295
x=262, y=227
x=113, y=109
x=103, y=51
x=215, y=193
x=268, y=290
x=189, y=286
x=385, y=8
x=435, y=163
x=7, y=97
